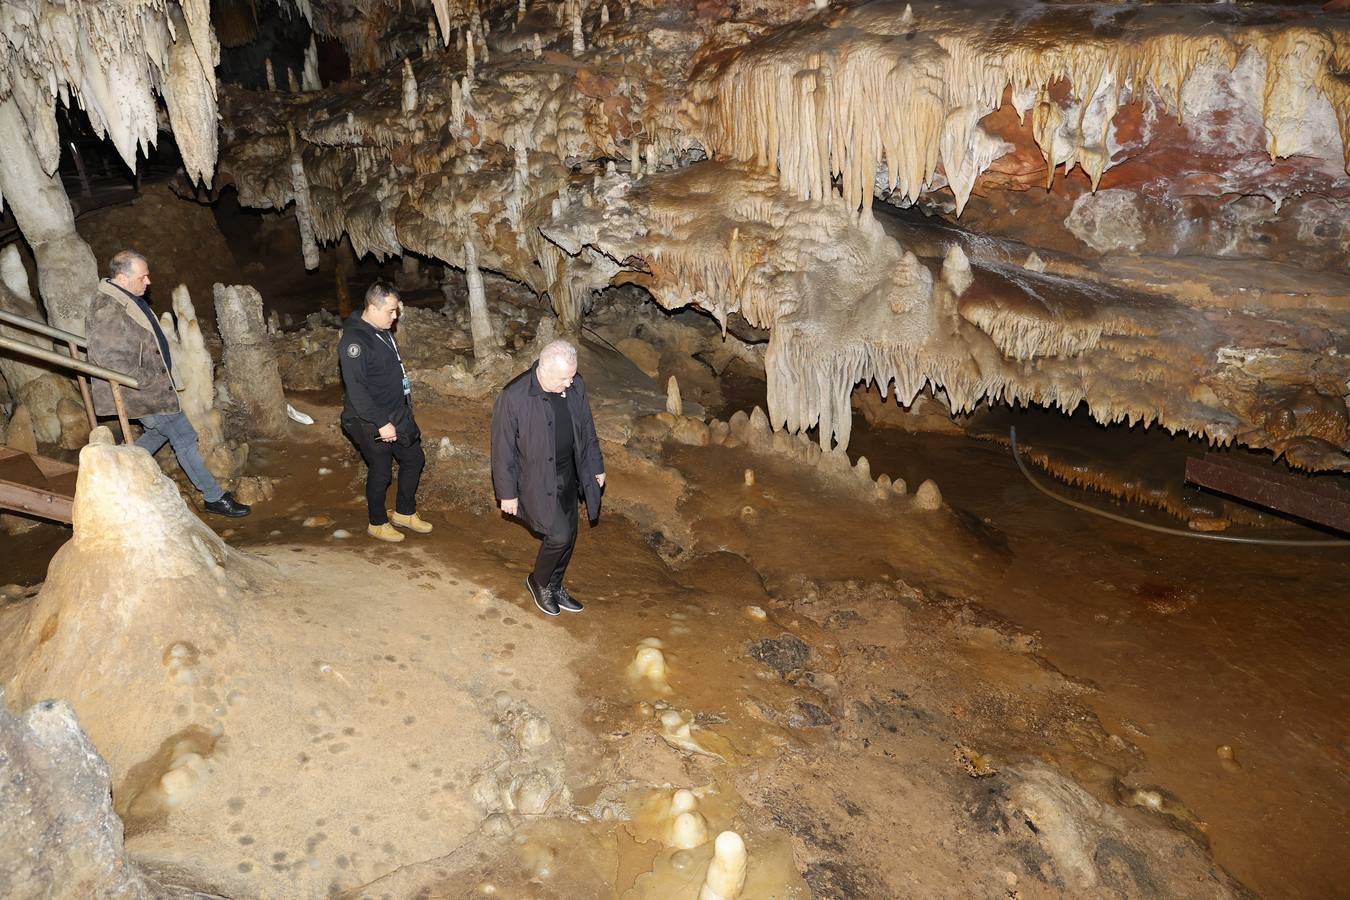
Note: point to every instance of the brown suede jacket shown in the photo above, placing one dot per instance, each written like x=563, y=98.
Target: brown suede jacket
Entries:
x=120, y=338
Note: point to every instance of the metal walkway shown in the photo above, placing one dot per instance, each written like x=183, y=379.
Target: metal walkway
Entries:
x=36, y=485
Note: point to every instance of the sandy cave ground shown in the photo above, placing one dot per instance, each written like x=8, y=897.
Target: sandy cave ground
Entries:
x=877, y=734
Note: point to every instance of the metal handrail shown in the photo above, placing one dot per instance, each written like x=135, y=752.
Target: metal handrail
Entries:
x=79, y=365
x=85, y=368
x=41, y=328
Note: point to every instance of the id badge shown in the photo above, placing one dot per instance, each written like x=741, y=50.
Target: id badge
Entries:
x=407, y=386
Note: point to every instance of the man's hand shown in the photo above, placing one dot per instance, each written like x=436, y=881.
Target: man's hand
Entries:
x=387, y=432
x=512, y=506
x=600, y=479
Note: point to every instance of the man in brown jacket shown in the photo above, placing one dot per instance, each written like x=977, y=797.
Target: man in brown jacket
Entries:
x=125, y=336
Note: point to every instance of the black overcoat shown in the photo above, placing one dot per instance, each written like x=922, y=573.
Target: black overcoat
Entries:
x=522, y=449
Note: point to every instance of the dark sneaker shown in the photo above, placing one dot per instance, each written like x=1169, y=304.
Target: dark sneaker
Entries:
x=565, y=600
x=227, y=506
x=543, y=597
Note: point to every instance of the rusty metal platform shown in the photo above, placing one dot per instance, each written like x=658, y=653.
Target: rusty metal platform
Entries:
x=36, y=485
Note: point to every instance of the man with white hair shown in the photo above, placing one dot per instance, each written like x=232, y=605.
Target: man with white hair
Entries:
x=545, y=452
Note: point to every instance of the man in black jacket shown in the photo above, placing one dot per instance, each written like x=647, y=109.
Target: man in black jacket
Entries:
x=378, y=415
x=544, y=451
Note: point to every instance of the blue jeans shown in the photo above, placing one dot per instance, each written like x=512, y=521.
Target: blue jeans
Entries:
x=175, y=429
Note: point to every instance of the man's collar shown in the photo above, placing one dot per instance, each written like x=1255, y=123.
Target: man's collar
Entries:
x=128, y=293
x=535, y=387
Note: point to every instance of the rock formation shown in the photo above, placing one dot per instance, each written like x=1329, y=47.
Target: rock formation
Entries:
x=252, y=379
x=110, y=59
x=59, y=837
x=195, y=371
x=812, y=117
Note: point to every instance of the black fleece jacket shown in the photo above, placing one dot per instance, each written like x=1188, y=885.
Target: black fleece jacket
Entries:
x=373, y=377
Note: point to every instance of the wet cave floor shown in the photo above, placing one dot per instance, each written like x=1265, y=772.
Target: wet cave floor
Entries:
x=1126, y=658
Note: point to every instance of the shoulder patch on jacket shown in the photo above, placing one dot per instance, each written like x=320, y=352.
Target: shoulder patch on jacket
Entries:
x=353, y=350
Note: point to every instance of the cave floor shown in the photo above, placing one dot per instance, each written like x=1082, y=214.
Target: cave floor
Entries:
x=932, y=654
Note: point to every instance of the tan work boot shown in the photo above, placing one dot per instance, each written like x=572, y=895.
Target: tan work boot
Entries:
x=385, y=532
x=412, y=523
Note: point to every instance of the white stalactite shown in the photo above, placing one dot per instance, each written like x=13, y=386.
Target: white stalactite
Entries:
x=578, y=39
x=309, y=79
x=304, y=212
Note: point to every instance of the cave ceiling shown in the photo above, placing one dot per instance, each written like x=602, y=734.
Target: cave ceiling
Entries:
x=1140, y=208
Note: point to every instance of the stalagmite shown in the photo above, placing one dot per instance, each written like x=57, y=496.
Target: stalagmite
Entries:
x=252, y=379
x=409, y=88
x=726, y=872
x=292, y=83
x=521, y=11
x=480, y=325
x=469, y=61
x=536, y=45
x=674, y=404
x=456, y=105
x=649, y=666
x=309, y=79
x=194, y=371
x=956, y=272
x=271, y=75
x=651, y=159
x=688, y=828
x=15, y=297
x=634, y=159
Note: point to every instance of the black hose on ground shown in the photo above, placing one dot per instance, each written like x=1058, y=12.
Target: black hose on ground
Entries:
x=1162, y=529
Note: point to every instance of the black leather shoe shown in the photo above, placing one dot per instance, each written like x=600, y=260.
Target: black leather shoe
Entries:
x=565, y=600
x=227, y=506
x=543, y=597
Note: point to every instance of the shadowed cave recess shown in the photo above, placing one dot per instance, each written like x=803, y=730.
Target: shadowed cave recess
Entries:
x=821, y=260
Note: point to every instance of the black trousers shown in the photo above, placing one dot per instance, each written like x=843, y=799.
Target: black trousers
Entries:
x=556, y=550
x=380, y=456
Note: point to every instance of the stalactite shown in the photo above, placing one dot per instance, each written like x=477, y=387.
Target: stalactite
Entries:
x=309, y=79
x=304, y=214
x=809, y=110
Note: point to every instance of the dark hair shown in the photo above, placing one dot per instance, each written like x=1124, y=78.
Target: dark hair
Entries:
x=379, y=292
x=122, y=260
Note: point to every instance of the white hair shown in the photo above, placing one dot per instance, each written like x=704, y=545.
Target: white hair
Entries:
x=558, y=354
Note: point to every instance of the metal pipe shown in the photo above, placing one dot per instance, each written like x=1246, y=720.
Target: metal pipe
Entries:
x=83, y=382
x=57, y=359
x=121, y=412
x=41, y=328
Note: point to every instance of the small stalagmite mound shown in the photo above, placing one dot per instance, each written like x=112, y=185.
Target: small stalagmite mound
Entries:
x=726, y=872
x=648, y=668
